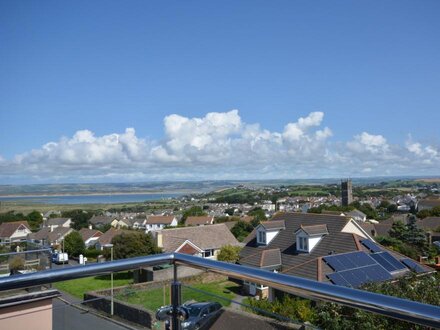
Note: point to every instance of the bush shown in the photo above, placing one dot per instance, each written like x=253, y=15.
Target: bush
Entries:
x=92, y=253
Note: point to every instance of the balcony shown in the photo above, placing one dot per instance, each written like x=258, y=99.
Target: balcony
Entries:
x=389, y=306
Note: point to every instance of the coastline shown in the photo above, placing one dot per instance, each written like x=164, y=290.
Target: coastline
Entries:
x=96, y=194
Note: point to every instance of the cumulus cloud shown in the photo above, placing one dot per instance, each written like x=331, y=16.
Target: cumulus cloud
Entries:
x=219, y=146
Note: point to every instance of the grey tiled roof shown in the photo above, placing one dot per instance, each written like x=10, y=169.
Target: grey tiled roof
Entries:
x=274, y=224
x=301, y=264
x=315, y=230
x=308, y=265
x=56, y=221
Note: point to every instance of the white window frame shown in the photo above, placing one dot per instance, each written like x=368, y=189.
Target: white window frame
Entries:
x=261, y=239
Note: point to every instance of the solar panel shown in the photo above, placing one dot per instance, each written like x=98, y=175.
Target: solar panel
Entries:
x=411, y=264
x=338, y=279
x=371, y=245
x=350, y=260
x=386, y=260
x=357, y=277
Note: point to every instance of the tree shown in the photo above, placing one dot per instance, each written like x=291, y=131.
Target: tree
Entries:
x=241, y=229
x=132, y=244
x=398, y=230
x=74, y=244
x=35, y=219
x=414, y=235
x=258, y=214
x=229, y=253
x=79, y=218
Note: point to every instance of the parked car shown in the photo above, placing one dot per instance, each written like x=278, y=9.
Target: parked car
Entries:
x=198, y=314
x=60, y=258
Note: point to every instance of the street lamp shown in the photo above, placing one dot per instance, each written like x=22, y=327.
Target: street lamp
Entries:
x=110, y=246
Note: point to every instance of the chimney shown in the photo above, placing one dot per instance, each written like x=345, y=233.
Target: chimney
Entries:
x=51, y=228
x=90, y=226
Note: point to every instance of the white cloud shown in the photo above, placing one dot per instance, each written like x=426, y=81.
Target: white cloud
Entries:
x=219, y=146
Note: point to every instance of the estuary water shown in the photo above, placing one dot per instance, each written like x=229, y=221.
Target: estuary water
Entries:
x=91, y=199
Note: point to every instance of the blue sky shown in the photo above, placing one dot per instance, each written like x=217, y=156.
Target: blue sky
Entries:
x=363, y=75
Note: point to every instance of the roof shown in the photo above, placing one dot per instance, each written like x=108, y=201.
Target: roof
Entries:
x=356, y=213
x=308, y=265
x=101, y=220
x=50, y=236
x=273, y=225
x=429, y=223
x=160, y=219
x=315, y=230
x=7, y=229
x=107, y=237
x=293, y=263
x=205, y=237
x=266, y=259
x=199, y=220
x=56, y=221
x=431, y=202
x=87, y=233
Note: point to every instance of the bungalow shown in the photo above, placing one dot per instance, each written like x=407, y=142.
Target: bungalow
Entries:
x=100, y=221
x=90, y=236
x=14, y=231
x=107, y=237
x=57, y=222
x=50, y=235
x=199, y=221
x=203, y=241
x=158, y=222
x=323, y=248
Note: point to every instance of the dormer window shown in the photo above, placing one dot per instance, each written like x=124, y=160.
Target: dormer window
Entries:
x=303, y=244
x=307, y=237
x=266, y=231
x=261, y=237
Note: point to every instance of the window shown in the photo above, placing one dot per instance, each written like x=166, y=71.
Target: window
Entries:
x=303, y=244
x=261, y=237
x=208, y=253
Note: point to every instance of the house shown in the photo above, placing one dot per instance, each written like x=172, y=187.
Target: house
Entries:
x=428, y=204
x=107, y=237
x=100, y=221
x=199, y=221
x=57, y=222
x=14, y=231
x=90, y=236
x=50, y=236
x=203, y=241
x=159, y=222
x=319, y=247
x=357, y=215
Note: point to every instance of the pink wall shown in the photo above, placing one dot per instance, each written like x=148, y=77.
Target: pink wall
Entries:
x=30, y=316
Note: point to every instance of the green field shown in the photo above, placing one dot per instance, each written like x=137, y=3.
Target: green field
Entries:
x=78, y=287
x=153, y=299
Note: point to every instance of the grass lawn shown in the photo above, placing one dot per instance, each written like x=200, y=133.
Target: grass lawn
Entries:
x=78, y=287
x=153, y=299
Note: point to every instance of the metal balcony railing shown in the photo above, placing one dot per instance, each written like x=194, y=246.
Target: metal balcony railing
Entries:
x=398, y=308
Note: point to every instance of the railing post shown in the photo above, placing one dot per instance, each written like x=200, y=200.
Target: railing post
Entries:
x=175, y=300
